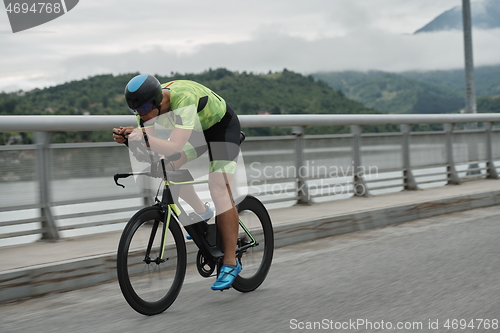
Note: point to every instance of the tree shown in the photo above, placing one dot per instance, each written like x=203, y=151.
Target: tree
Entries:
x=83, y=103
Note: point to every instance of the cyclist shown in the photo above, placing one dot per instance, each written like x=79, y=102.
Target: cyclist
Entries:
x=185, y=102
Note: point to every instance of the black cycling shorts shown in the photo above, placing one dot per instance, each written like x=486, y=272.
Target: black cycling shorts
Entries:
x=222, y=142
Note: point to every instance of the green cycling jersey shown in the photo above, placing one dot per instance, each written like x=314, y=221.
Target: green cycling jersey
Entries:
x=188, y=99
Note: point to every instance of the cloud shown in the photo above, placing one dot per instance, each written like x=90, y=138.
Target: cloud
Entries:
x=318, y=35
x=274, y=51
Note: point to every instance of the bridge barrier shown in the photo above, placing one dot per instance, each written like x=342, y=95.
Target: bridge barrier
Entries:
x=53, y=191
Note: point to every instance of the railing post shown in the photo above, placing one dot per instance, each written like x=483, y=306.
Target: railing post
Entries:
x=453, y=178
x=491, y=170
x=146, y=198
x=49, y=227
x=409, y=181
x=359, y=186
x=302, y=190
x=473, y=149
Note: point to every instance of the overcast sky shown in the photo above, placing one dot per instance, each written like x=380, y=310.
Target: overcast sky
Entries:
x=164, y=36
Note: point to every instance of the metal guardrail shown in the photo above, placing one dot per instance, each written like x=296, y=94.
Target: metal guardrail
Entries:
x=354, y=148
x=97, y=123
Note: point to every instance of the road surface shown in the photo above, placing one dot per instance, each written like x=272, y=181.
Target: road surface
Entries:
x=412, y=277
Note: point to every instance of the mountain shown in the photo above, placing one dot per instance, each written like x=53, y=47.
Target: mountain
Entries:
x=487, y=79
x=485, y=15
x=394, y=93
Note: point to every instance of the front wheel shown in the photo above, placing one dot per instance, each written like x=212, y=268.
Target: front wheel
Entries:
x=150, y=281
x=255, y=244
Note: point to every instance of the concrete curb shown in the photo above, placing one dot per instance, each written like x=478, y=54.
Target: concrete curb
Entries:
x=83, y=272
x=303, y=231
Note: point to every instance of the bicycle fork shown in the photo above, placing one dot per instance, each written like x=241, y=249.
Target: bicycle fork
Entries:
x=168, y=207
x=166, y=223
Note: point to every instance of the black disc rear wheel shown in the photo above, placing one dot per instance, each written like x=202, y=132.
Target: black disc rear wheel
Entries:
x=256, y=241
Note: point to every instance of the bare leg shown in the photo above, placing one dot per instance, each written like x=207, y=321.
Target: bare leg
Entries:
x=227, y=215
x=187, y=192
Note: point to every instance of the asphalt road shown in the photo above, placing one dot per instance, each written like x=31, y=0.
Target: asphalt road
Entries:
x=413, y=277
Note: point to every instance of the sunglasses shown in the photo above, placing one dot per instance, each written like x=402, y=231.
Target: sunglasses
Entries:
x=144, y=109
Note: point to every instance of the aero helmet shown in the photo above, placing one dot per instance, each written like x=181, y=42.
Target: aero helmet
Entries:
x=143, y=94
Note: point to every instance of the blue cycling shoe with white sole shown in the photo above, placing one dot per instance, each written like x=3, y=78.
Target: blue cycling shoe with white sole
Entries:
x=226, y=276
x=209, y=213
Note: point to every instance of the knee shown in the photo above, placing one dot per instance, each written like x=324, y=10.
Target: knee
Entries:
x=219, y=191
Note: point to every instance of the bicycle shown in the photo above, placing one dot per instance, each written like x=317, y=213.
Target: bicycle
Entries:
x=152, y=257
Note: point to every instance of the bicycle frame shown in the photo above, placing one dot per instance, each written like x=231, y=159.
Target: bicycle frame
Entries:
x=205, y=236
x=200, y=231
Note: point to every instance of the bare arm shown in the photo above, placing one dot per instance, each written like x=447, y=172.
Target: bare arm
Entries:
x=178, y=139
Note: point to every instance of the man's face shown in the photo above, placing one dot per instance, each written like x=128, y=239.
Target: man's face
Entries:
x=150, y=115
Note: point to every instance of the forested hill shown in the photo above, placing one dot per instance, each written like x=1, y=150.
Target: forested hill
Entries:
x=394, y=93
x=284, y=92
x=417, y=91
x=275, y=93
x=487, y=79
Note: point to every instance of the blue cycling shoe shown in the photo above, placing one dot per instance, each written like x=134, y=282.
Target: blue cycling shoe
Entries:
x=226, y=276
x=209, y=213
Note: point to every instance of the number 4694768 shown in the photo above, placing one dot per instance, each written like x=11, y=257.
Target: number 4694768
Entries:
x=39, y=7
x=471, y=324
